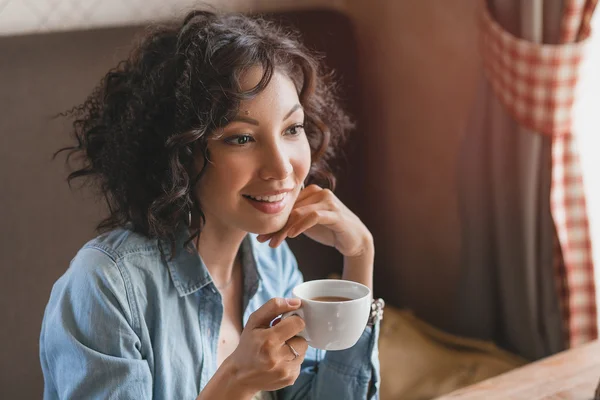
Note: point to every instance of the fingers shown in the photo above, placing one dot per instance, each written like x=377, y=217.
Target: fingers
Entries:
x=290, y=369
x=302, y=220
x=321, y=196
x=305, y=197
x=288, y=328
x=271, y=309
x=311, y=206
x=309, y=213
x=312, y=219
x=308, y=192
x=300, y=345
x=324, y=218
x=313, y=194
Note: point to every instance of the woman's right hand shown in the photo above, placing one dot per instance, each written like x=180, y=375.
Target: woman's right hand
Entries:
x=262, y=359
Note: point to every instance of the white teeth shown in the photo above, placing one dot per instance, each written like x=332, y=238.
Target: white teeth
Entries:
x=269, y=199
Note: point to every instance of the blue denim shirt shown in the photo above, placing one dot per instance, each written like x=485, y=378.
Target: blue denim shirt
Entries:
x=125, y=322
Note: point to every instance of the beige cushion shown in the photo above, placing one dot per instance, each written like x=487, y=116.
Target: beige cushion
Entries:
x=421, y=362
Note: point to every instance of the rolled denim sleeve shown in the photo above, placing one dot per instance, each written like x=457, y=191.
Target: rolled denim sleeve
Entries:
x=346, y=374
x=88, y=345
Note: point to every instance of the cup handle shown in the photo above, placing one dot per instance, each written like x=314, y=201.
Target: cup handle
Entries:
x=300, y=313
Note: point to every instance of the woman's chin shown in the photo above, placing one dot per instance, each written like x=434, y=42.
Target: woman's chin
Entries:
x=269, y=227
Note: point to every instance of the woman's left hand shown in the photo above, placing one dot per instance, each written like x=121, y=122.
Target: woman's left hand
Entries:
x=321, y=216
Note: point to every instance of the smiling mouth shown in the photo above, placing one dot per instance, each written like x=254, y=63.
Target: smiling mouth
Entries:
x=267, y=199
x=272, y=204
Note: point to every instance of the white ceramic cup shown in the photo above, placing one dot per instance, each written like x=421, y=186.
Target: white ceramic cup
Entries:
x=332, y=325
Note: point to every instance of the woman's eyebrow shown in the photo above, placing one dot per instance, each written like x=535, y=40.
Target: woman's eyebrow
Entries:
x=242, y=118
x=297, y=106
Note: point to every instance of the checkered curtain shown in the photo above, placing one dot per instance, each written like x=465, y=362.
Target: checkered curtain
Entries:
x=536, y=83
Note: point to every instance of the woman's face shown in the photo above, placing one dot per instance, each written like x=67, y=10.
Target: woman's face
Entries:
x=257, y=162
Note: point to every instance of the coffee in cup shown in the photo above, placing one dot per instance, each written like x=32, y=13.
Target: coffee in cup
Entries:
x=330, y=298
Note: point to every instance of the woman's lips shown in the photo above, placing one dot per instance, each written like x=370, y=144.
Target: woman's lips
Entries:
x=269, y=207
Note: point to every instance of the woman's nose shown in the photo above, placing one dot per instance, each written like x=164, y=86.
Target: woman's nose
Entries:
x=276, y=164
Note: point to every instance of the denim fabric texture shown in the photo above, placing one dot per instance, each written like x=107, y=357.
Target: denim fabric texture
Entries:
x=127, y=322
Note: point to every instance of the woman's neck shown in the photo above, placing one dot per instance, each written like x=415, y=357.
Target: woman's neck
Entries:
x=218, y=249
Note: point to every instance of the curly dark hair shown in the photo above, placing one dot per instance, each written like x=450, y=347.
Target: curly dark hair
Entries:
x=138, y=131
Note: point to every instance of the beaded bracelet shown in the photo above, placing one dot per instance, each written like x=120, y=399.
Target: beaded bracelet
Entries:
x=376, y=315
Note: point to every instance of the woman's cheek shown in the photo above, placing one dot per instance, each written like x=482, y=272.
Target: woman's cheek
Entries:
x=302, y=160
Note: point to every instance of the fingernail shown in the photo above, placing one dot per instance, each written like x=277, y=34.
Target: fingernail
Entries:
x=293, y=302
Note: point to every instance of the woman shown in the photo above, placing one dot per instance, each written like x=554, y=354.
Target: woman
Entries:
x=201, y=142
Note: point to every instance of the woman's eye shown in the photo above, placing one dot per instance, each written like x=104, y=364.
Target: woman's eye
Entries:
x=239, y=140
x=295, y=130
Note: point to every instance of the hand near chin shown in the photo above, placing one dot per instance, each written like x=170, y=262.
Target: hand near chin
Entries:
x=321, y=216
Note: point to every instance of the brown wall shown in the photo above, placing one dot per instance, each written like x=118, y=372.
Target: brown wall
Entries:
x=42, y=222
x=419, y=64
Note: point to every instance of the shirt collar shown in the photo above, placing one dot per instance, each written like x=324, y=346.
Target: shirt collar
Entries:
x=189, y=273
x=250, y=267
